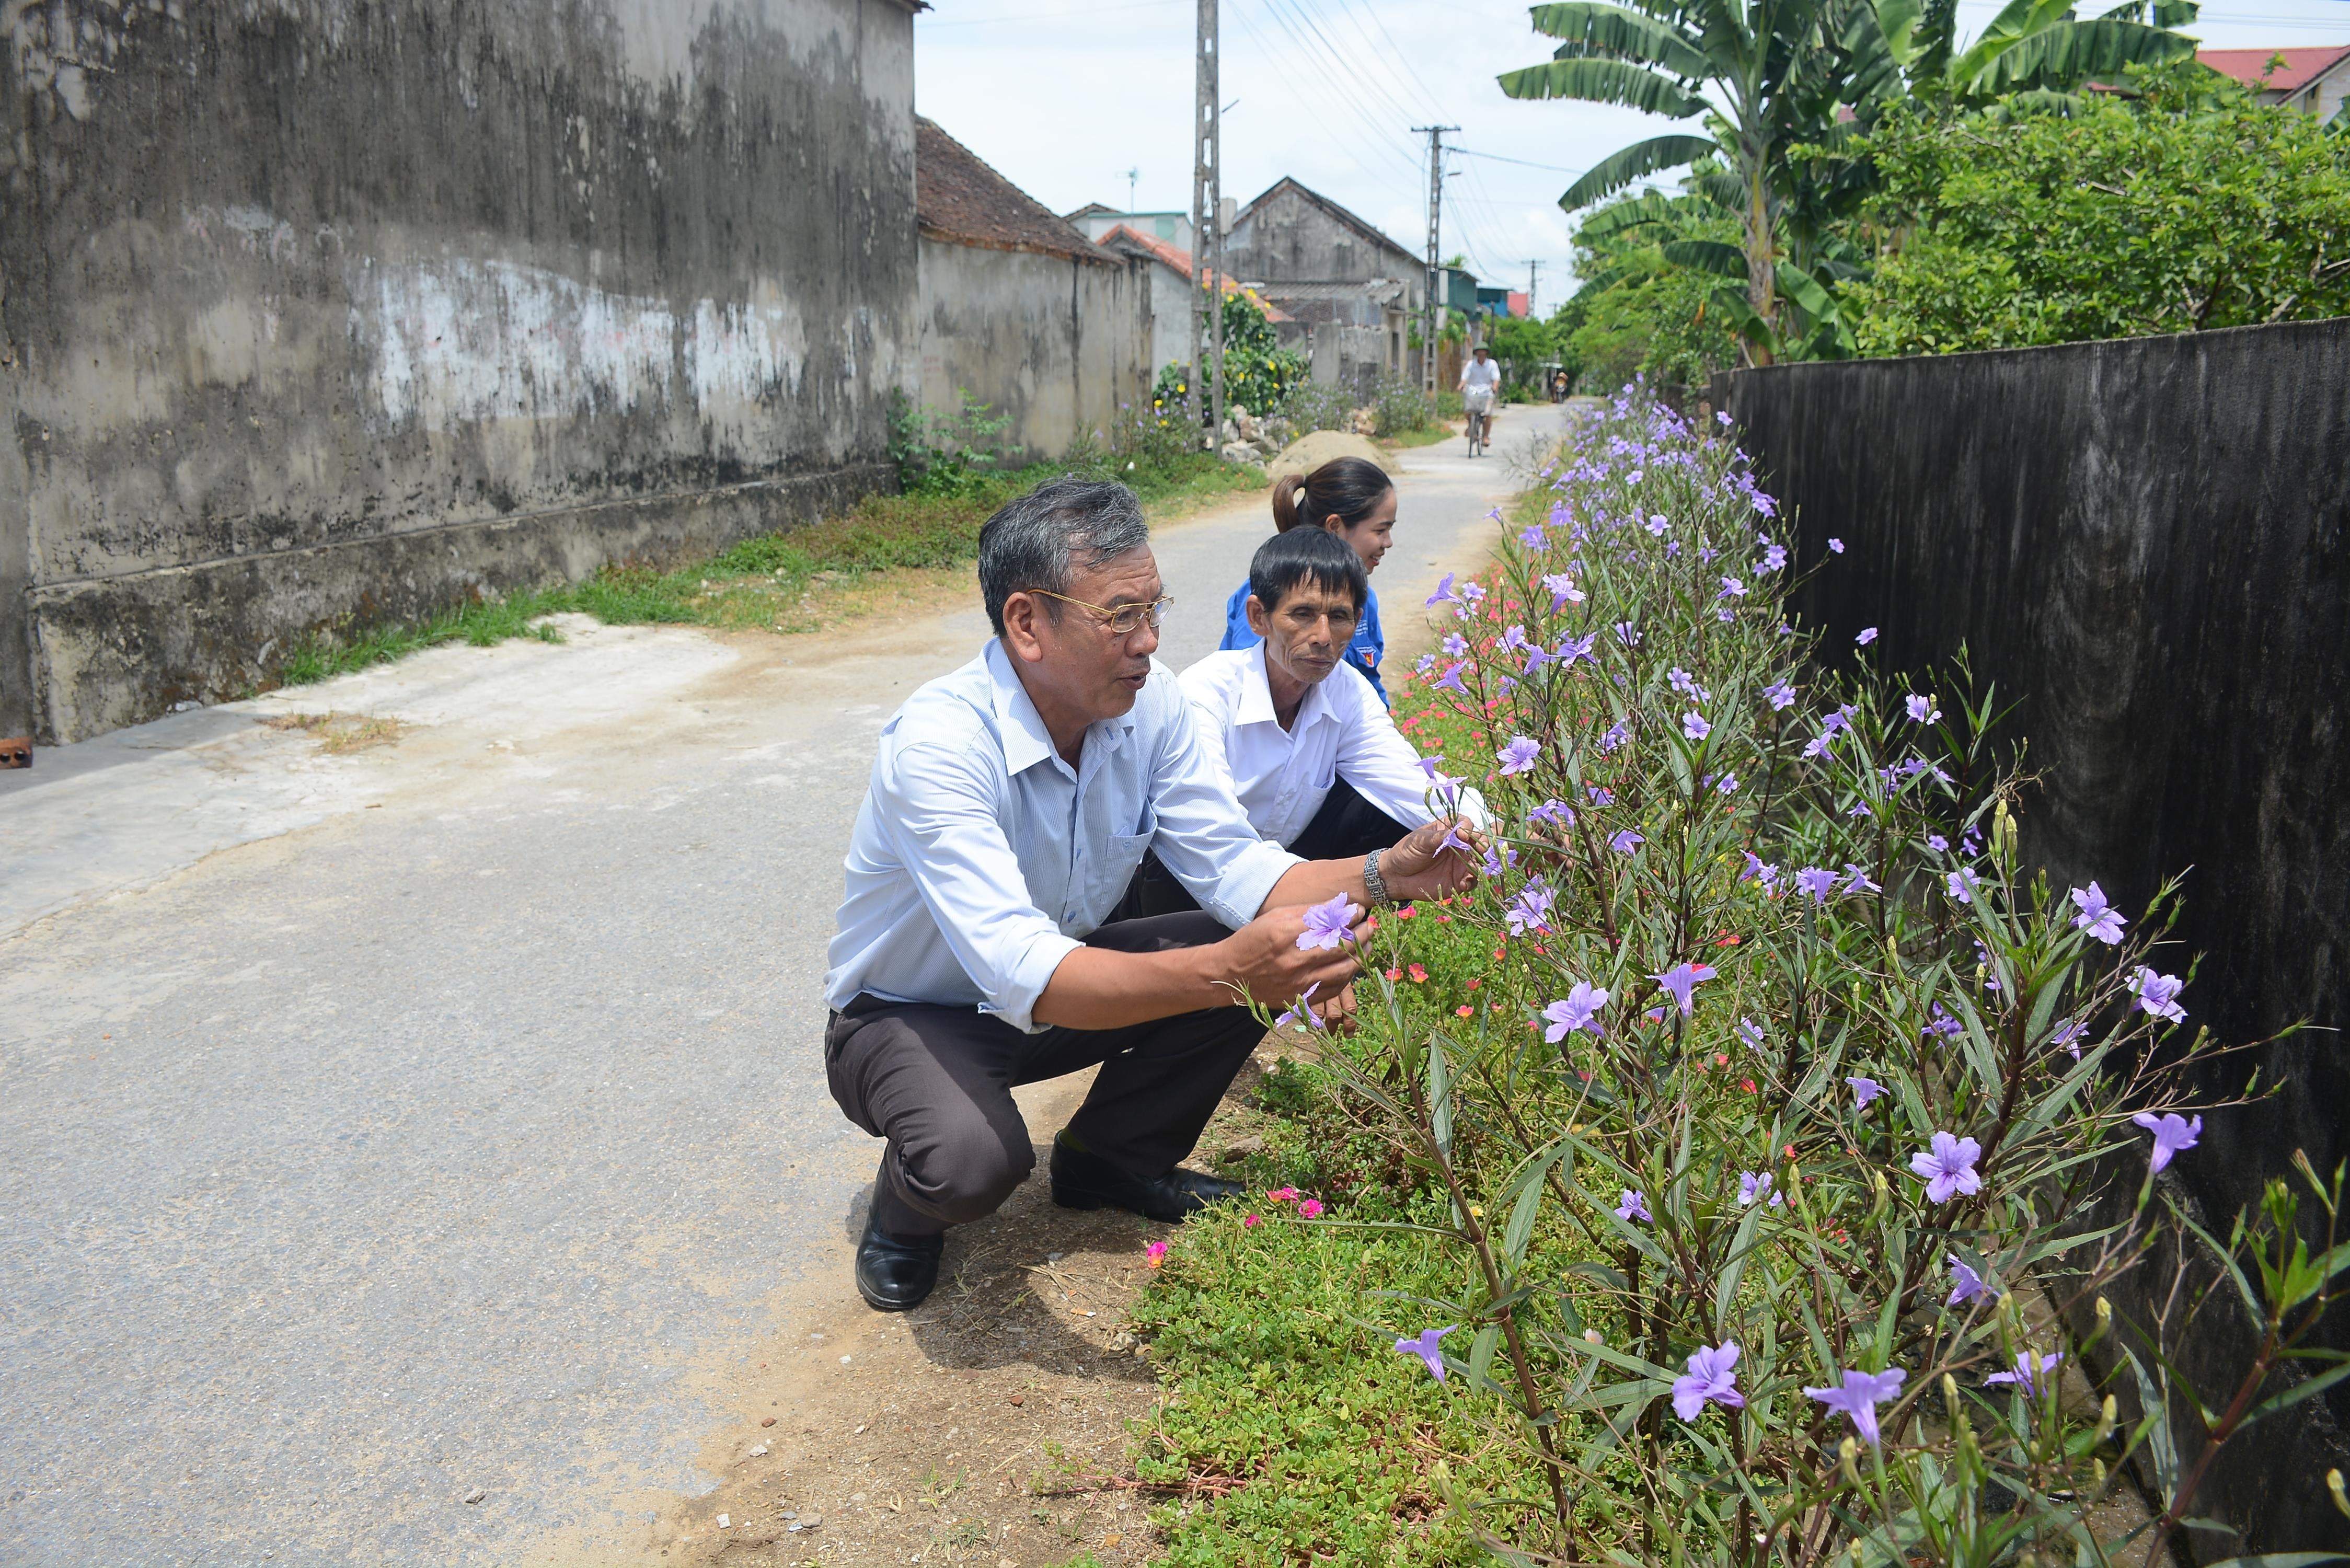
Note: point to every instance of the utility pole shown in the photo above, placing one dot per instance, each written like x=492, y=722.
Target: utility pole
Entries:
x=1435, y=134
x=1133, y=178
x=1207, y=237
x=1534, y=282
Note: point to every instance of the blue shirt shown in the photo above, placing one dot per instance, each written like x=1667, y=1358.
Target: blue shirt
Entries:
x=980, y=855
x=1370, y=644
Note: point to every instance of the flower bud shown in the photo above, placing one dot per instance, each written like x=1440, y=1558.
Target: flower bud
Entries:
x=2106, y=1412
x=1848, y=1460
x=2105, y=1314
x=1950, y=1396
x=2334, y=1485
x=2098, y=1471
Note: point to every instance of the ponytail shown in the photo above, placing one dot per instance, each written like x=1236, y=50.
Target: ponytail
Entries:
x=1346, y=488
x=1285, y=502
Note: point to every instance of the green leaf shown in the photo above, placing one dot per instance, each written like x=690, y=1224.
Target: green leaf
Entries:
x=1627, y=164
x=2303, y=1389
x=1712, y=257
x=1612, y=32
x=1480, y=1359
x=1604, y=82
x=2071, y=53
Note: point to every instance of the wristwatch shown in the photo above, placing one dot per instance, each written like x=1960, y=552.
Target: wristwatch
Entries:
x=1372, y=882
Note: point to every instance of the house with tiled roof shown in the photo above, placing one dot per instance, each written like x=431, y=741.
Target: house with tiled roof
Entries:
x=1350, y=291
x=2315, y=77
x=1169, y=275
x=1018, y=308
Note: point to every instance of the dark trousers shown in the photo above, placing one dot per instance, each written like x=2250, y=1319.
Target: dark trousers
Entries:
x=1346, y=827
x=937, y=1083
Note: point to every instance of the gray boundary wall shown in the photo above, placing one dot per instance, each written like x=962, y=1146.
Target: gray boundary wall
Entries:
x=2146, y=544
x=316, y=311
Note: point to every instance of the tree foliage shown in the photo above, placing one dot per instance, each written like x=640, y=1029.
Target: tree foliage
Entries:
x=2186, y=207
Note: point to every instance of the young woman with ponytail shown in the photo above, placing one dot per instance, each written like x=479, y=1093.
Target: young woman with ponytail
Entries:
x=1355, y=499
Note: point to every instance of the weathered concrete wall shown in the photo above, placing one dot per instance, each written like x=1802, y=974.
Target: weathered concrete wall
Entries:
x=2145, y=546
x=1286, y=237
x=1054, y=342
x=318, y=308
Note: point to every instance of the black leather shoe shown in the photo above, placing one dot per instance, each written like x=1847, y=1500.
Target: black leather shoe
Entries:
x=897, y=1273
x=1088, y=1181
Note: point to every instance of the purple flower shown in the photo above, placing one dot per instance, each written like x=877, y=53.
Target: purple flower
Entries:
x=1326, y=925
x=1835, y=546
x=1862, y=1393
x=1556, y=813
x=1624, y=842
x=1428, y=766
x=1299, y=1011
x=1570, y=648
x=1635, y=1206
x=1455, y=645
x=1754, y=1184
x=2159, y=993
x=1563, y=591
x=1451, y=680
x=2068, y=1035
x=1520, y=755
x=2172, y=1133
x=1751, y=1032
x=1728, y=784
x=1657, y=525
x=1936, y=843
x=1709, y=1379
x=1616, y=735
x=1425, y=1348
x=1514, y=640
x=1867, y=635
x=1579, y=1010
x=1774, y=558
x=1949, y=1168
x=1962, y=885
x=1781, y=696
x=1682, y=980
x=1600, y=795
x=1817, y=882
x=2025, y=1375
x=1860, y=882
x=1941, y=1023
x=1965, y=1284
x=1499, y=857
x=1755, y=867
x=1694, y=726
x=1533, y=537
x=2098, y=917
x=1764, y=504
x=1921, y=709
x=1627, y=634
x=1530, y=911
x=1731, y=588
x=1682, y=682
x=1443, y=595
x=1864, y=1089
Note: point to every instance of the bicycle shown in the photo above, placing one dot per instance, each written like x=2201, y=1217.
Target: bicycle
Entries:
x=1478, y=407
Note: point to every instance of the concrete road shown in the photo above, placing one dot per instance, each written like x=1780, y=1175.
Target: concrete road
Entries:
x=385, y=1128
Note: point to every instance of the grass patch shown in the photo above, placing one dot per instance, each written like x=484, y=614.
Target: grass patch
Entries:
x=1427, y=436
x=339, y=732
x=792, y=581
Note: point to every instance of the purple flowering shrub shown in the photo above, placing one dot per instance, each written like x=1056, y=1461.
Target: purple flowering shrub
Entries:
x=1786, y=1085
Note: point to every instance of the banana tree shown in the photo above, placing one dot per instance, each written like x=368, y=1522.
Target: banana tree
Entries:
x=2038, y=49
x=1761, y=76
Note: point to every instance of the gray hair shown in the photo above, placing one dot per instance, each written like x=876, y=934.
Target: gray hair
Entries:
x=1035, y=542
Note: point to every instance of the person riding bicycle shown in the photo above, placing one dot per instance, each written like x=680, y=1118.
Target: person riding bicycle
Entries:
x=1481, y=385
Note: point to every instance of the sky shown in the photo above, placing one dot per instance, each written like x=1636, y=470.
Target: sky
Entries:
x=1064, y=97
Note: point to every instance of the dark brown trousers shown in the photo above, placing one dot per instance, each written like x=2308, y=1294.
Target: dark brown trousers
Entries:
x=937, y=1082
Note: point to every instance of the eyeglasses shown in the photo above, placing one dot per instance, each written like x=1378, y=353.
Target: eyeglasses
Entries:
x=1123, y=621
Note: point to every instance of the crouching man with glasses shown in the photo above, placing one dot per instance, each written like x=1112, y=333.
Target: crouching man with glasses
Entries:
x=1009, y=806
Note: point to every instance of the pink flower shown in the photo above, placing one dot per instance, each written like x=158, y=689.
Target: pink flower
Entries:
x=1156, y=1252
x=1283, y=1194
x=1250, y=1222
x=1311, y=1209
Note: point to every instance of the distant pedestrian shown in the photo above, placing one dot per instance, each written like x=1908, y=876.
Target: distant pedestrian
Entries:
x=1353, y=498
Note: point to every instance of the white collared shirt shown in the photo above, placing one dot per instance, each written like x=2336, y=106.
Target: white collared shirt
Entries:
x=1282, y=776
x=980, y=855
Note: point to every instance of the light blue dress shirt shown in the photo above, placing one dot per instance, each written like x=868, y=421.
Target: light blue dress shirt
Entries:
x=980, y=856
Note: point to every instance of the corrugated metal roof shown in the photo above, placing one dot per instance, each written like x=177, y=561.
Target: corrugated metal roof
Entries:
x=958, y=197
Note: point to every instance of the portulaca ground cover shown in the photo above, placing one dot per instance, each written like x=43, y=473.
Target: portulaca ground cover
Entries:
x=1714, y=1183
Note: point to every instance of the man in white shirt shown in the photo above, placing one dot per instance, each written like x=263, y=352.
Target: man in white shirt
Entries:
x=1009, y=806
x=1309, y=750
x=1481, y=384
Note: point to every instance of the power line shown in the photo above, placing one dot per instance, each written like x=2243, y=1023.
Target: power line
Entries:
x=1521, y=163
x=1078, y=14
